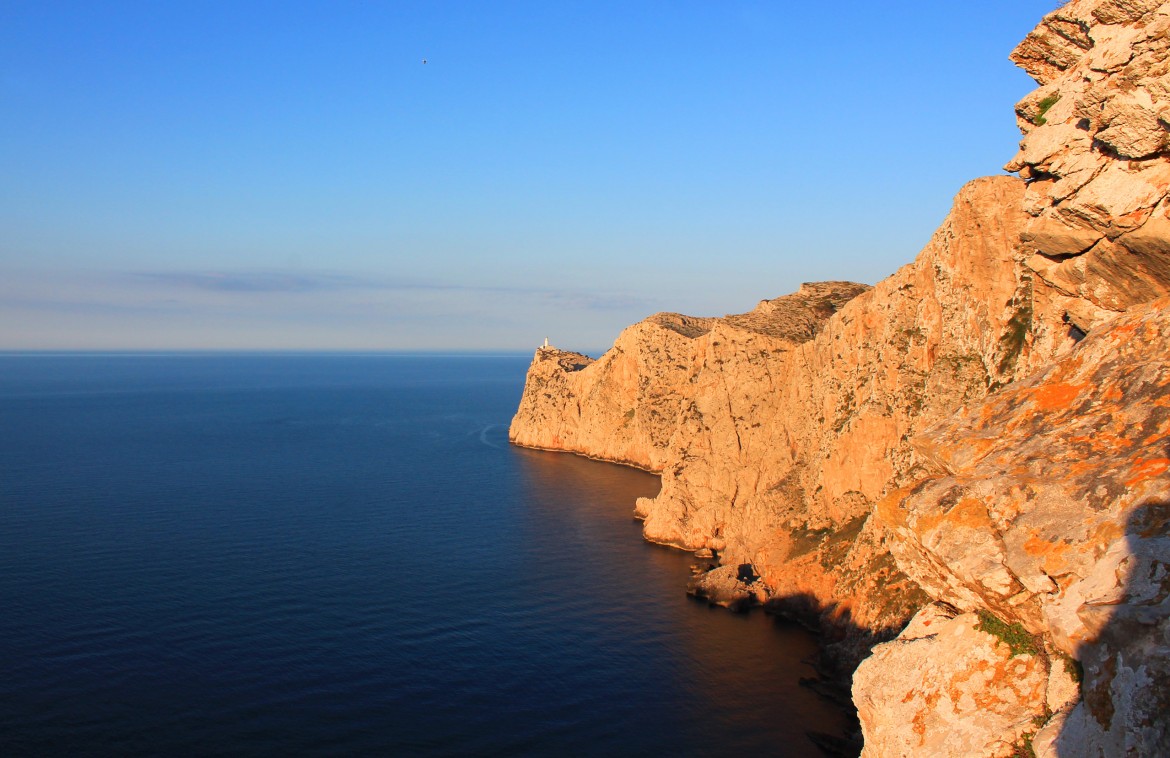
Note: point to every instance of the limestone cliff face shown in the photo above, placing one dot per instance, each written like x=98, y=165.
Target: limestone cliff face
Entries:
x=780, y=457
x=980, y=438
x=625, y=406
x=1046, y=503
x=1051, y=509
x=776, y=431
x=949, y=686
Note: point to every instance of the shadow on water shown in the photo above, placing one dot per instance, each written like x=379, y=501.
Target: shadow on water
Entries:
x=716, y=682
x=843, y=645
x=1125, y=691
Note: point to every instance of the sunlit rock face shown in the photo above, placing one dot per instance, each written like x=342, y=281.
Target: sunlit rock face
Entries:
x=776, y=431
x=1051, y=510
x=1096, y=153
x=986, y=428
x=1048, y=501
x=949, y=686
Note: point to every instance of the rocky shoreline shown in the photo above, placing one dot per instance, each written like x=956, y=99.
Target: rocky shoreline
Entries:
x=969, y=462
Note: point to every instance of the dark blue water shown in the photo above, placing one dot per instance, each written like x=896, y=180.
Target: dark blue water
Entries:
x=278, y=555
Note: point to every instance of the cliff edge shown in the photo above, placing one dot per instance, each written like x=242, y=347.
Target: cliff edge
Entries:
x=973, y=454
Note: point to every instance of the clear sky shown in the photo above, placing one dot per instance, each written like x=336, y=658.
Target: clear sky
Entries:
x=291, y=175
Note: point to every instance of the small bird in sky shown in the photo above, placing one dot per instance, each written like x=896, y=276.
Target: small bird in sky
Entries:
x=424, y=61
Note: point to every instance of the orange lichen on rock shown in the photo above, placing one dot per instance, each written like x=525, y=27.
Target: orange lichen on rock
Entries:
x=1060, y=395
x=1051, y=555
x=889, y=510
x=1147, y=468
x=1059, y=556
x=965, y=692
x=970, y=513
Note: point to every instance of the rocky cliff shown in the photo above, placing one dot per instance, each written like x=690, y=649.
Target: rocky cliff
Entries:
x=980, y=438
x=1050, y=515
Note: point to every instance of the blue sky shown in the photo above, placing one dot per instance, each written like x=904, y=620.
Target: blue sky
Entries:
x=290, y=175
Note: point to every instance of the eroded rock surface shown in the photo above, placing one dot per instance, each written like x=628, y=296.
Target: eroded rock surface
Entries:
x=1047, y=503
x=734, y=587
x=1052, y=512
x=946, y=686
x=776, y=432
x=625, y=406
x=986, y=428
x=1095, y=152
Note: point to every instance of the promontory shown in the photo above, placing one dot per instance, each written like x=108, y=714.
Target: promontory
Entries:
x=961, y=473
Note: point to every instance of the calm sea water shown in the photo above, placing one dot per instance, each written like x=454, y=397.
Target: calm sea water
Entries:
x=279, y=555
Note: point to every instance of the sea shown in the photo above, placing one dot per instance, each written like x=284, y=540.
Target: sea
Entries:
x=328, y=554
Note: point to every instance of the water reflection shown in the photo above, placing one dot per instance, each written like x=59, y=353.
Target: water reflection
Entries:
x=720, y=682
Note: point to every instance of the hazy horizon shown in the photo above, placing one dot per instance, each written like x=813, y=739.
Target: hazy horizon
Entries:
x=293, y=176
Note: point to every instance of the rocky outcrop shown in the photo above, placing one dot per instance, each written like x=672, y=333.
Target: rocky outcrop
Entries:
x=1029, y=515
x=625, y=406
x=1095, y=152
x=1047, y=502
x=981, y=435
x=733, y=587
x=1050, y=510
x=775, y=432
x=956, y=685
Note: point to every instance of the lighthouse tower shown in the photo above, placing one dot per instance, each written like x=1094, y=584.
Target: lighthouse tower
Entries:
x=545, y=346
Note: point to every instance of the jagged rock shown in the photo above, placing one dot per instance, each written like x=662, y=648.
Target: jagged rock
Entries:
x=1123, y=11
x=1132, y=126
x=1055, y=46
x=1118, y=198
x=1053, y=237
x=774, y=439
x=1095, y=147
x=1109, y=275
x=1087, y=436
x=624, y=407
x=1152, y=242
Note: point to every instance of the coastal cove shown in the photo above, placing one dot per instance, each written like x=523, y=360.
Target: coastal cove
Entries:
x=321, y=553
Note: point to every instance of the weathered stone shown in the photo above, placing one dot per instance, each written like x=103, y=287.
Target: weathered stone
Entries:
x=1096, y=136
x=1152, y=241
x=1113, y=48
x=1119, y=198
x=1108, y=275
x=1058, y=43
x=1123, y=11
x=1133, y=128
x=982, y=425
x=775, y=441
x=1125, y=709
x=1063, y=690
x=1044, y=741
x=1055, y=512
x=1044, y=144
x=1051, y=236
x=946, y=688
x=733, y=587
